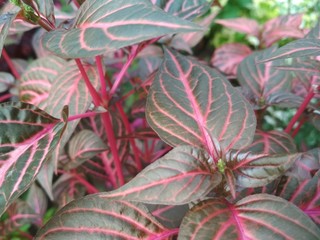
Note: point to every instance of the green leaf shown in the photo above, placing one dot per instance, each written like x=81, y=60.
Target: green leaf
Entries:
x=181, y=176
x=6, y=81
x=83, y=146
x=104, y=25
x=28, y=136
x=188, y=100
x=5, y=21
x=259, y=216
x=95, y=218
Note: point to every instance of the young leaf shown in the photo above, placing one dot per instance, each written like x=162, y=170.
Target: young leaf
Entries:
x=183, y=8
x=259, y=216
x=6, y=81
x=227, y=57
x=261, y=80
x=187, y=99
x=95, y=218
x=83, y=146
x=105, y=25
x=272, y=142
x=252, y=170
x=243, y=25
x=35, y=83
x=181, y=176
x=282, y=27
x=28, y=135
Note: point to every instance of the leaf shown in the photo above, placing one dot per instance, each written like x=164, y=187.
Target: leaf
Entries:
x=35, y=83
x=298, y=48
x=282, y=27
x=227, y=57
x=261, y=79
x=37, y=200
x=6, y=81
x=272, y=142
x=102, y=26
x=83, y=146
x=5, y=21
x=70, y=89
x=46, y=9
x=243, y=25
x=95, y=218
x=28, y=136
x=183, y=8
x=252, y=170
x=260, y=216
x=181, y=176
x=304, y=194
x=187, y=100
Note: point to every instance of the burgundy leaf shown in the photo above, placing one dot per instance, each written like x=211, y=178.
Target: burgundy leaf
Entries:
x=272, y=142
x=227, y=57
x=95, y=218
x=260, y=216
x=188, y=100
x=181, y=176
x=243, y=25
x=28, y=136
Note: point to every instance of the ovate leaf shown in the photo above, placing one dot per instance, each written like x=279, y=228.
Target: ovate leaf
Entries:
x=6, y=81
x=83, y=146
x=243, y=25
x=272, y=142
x=5, y=21
x=95, y=218
x=184, y=8
x=35, y=83
x=251, y=170
x=181, y=176
x=27, y=137
x=104, y=25
x=188, y=100
x=260, y=216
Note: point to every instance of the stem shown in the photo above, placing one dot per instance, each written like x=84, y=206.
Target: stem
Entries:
x=83, y=115
x=165, y=234
x=106, y=118
x=302, y=107
x=10, y=64
x=90, y=188
x=95, y=96
x=5, y=97
x=76, y=3
x=122, y=72
x=296, y=130
x=103, y=90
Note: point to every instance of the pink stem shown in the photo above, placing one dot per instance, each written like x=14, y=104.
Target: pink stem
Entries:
x=80, y=116
x=103, y=90
x=95, y=96
x=296, y=130
x=106, y=118
x=76, y=3
x=302, y=107
x=165, y=234
x=90, y=188
x=10, y=64
x=5, y=97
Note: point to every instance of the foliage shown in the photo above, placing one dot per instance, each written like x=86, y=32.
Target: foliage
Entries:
x=118, y=126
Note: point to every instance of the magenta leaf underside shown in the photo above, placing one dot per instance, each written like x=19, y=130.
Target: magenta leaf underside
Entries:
x=28, y=136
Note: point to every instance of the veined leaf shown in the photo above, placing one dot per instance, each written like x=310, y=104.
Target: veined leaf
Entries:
x=36, y=81
x=259, y=216
x=28, y=135
x=95, y=218
x=104, y=25
x=243, y=25
x=272, y=142
x=83, y=146
x=184, y=8
x=46, y=9
x=252, y=170
x=5, y=21
x=188, y=100
x=261, y=80
x=181, y=176
x=227, y=57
